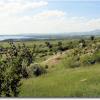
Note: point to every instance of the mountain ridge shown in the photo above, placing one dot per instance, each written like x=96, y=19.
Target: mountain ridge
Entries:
x=34, y=36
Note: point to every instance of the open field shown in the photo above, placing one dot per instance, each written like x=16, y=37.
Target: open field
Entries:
x=51, y=68
x=78, y=82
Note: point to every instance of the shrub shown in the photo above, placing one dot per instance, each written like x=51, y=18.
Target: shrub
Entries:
x=72, y=62
x=37, y=69
x=59, y=43
x=25, y=72
x=83, y=42
x=97, y=56
x=50, y=53
x=88, y=60
x=92, y=38
x=46, y=66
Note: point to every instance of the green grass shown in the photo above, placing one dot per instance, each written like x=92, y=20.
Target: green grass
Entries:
x=36, y=42
x=61, y=80
x=71, y=82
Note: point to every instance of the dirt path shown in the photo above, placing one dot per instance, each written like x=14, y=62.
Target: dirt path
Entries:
x=54, y=59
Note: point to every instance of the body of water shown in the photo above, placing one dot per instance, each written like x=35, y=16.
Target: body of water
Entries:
x=19, y=37
x=4, y=37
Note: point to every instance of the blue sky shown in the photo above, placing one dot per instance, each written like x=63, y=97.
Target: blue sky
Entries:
x=48, y=16
x=89, y=9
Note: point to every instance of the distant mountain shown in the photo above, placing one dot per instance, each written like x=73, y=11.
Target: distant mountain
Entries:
x=28, y=36
x=95, y=32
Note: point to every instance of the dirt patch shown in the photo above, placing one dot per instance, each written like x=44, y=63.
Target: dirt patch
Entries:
x=54, y=59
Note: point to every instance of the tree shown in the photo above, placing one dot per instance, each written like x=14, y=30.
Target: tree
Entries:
x=59, y=43
x=92, y=38
x=83, y=43
x=48, y=45
x=11, y=69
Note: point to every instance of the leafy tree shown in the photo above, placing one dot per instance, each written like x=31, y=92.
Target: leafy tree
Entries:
x=11, y=69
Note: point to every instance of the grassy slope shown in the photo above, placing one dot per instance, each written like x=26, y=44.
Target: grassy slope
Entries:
x=77, y=82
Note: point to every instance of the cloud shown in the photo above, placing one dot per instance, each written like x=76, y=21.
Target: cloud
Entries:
x=51, y=21
x=49, y=14
x=17, y=6
x=94, y=23
x=44, y=21
x=30, y=24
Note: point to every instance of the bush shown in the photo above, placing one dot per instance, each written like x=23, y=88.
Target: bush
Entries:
x=97, y=56
x=50, y=53
x=72, y=62
x=25, y=72
x=46, y=66
x=37, y=69
x=88, y=60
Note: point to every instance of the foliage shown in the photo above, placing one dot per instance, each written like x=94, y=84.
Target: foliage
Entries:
x=37, y=69
x=87, y=60
x=78, y=82
x=17, y=62
x=92, y=38
x=73, y=62
x=97, y=56
x=12, y=70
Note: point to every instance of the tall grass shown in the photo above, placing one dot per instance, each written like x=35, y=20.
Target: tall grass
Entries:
x=77, y=82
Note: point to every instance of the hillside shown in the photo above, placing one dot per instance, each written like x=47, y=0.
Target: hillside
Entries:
x=78, y=82
x=51, y=68
x=65, y=80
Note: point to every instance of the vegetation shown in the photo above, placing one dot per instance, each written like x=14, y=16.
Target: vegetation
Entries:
x=73, y=82
x=57, y=68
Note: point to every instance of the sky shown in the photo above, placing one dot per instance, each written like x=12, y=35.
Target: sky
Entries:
x=48, y=16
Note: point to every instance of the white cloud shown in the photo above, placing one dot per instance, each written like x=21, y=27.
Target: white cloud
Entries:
x=49, y=14
x=16, y=6
x=94, y=23
x=46, y=21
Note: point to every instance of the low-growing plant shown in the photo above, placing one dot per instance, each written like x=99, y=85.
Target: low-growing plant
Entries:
x=87, y=60
x=37, y=69
x=73, y=62
x=46, y=66
x=97, y=56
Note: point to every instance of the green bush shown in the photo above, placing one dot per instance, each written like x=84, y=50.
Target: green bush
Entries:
x=46, y=66
x=97, y=56
x=37, y=69
x=25, y=72
x=87, y=60
x=72, y=62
